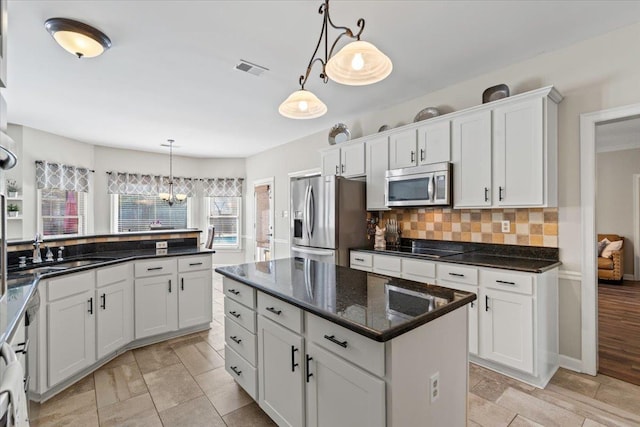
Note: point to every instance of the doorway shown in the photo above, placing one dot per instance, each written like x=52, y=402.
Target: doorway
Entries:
x=263, y=219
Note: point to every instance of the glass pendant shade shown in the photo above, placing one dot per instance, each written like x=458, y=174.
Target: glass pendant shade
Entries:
x=357, y=64
x=302, y=104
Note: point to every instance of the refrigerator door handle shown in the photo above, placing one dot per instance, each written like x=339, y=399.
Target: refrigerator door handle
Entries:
x=431, y=188
x=312, y=211
x=306, y=211
x=321, y=252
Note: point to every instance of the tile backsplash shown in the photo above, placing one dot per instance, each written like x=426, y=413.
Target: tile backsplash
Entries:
x=529, y=226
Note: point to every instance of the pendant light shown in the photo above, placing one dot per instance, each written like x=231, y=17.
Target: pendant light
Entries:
x=358, y=63
x=171, y=197
x=77, y=38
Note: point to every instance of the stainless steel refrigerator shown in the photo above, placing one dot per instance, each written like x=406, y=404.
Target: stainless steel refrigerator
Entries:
x=328, y=217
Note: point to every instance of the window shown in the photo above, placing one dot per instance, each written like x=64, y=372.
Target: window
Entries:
x=224, y=215
x=62, y=212
x=137, y=213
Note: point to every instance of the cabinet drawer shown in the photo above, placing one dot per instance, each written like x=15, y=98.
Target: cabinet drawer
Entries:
x=117, y=273
x=193, y=263
x=386, y=263
x=507, y=281
x=240, y=314
x=361, y=259
x=280, y=312
x=241, y=371
x=456, y=273
x=357, y=349
x=155, y=267
x=73, y=284
x=415, y=268
x=239, y=292
x=241, y=340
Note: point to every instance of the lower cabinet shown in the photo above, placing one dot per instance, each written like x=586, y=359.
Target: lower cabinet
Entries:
x=114, y=311
x=194, y=298
x=341, y=394
x=156, y=301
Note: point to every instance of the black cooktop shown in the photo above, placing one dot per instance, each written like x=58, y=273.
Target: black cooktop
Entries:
x=426, y=252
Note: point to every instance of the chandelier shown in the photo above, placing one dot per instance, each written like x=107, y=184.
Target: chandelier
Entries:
x=356, y=64
x=171, y=197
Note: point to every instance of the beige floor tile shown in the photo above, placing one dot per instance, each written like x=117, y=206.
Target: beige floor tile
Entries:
x=154, y=357
x=472, y=424
x=119, y=383
x=625, y=397
x=575, y=382
x=199, y=358
x=185, y=339
x=248, y=416
x=489, y=389
x=222, y=391
x=171, y=386
x=215, y=338
x=195, y=413
x=487, y=413
x=124, y=359
x=86, y=417
x=538, y=410
x=591, y=423
x=520, y=421
x=59, y=407
x=138, y=411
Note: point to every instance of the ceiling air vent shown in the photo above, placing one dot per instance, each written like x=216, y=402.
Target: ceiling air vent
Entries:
x=251, y=68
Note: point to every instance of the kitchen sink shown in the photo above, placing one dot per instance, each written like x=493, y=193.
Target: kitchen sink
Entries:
x=58, y=267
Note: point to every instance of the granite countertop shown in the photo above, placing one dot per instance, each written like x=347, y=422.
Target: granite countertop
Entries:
x=375, y=306
x=124, y=234
x=22, y=285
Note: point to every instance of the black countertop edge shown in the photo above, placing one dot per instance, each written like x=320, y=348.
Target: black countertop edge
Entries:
x=362, y=330
x=92, y=236
x=13, y=322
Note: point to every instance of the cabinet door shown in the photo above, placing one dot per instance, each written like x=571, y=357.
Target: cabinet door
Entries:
x=518, y=163
x=281, y=382
x=434, y=143
x=472, y=160
x=507, y=329
x=156, y=305
x=353, y=160
x=71, y=336
x=402, y=149
x=194, y=298
x=331, y=162
x=114, y=316
x=473, y=311
x=377, y=162
x=340, y=394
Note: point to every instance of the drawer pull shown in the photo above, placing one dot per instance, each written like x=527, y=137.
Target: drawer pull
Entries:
x=193, y=264
x=309, y=374
x=504, y=282
x=182, y=283
x=154, y=268
x=235, y=314
x=233, y=291
x=486, y=303
x=456, y=274
x=274, y=311
x=359, y=259
x=235, y=370
x=293, y=358
x=22, y=347
x=235, y=339
x=333, y=339
x=104, y=301
x=169, y=285
x=90, y=305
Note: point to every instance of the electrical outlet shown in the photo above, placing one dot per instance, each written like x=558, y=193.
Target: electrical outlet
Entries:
x=161, y=245
x=506, y=226
x=285, y=214
x=434, y=387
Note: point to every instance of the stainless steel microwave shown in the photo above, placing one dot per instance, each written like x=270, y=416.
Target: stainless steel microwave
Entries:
x=427, y=185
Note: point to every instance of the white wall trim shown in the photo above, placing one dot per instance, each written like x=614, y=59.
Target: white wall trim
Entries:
x=570, y=363
x=628, y=277
x=589, y=306
x=636, y=227
x=619, y=147
x=575, y=276
x=272, y=209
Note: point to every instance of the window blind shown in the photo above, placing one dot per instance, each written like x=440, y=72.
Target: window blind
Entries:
x=137, y=213
x=224, y=215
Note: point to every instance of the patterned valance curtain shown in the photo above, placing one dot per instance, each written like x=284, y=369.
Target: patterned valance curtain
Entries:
x=55, y=176
x=147, y=185
x=222, y=187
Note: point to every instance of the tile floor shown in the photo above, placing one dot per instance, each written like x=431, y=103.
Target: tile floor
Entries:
x=182, y=382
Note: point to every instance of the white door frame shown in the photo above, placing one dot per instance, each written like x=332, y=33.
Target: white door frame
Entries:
x=636, y=226
x=589, y=288
x=258, y=183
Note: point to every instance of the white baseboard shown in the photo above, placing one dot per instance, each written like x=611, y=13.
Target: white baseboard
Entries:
x=570, y=275
x=629, y=277
x=570, y=363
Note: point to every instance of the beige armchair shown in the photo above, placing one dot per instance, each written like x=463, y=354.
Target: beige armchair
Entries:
x=611, y=268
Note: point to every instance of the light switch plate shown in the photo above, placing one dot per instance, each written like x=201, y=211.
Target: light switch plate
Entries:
x=161, y=245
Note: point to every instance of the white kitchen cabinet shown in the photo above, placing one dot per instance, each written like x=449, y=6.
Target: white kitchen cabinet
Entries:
x=403, y=149
x=281, y=380
x=194, y=298
x=434, y=143
x=331, y=162
x=472, y=160
x=114, y=316
x=156, y=305
x=377, y=163
x=347, y=160
x=341, y=394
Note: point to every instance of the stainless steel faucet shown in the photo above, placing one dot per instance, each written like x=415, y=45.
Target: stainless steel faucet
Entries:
x=37, y=257
x=60, y=249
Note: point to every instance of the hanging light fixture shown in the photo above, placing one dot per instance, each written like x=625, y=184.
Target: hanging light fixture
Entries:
x=171, y=197
x=77, y=38
x=358, y=63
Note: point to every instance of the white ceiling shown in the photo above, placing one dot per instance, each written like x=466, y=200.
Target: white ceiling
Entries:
x=170, y=72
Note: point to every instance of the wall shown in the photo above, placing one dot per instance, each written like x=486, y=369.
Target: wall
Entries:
x=614, y=197
x=592, y=75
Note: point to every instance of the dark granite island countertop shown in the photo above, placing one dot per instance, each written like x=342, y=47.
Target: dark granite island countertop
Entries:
x=374, y=306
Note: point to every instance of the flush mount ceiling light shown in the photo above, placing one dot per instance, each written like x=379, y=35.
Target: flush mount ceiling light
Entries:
x=77, y=38
x=171, y=197
x=356, y=64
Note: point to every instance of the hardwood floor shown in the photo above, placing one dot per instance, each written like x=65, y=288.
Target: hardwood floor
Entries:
x=619, y=330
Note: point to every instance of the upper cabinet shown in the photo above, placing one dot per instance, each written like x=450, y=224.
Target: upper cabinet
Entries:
x=434, y=143
x=377, y=161
x=403, y=149
x=4, y=20
x=347, y=160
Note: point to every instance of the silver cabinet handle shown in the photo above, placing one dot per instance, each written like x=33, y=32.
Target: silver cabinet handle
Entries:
x=504, y=282
x=413, y=156
x=421, y=155
x=359, y=259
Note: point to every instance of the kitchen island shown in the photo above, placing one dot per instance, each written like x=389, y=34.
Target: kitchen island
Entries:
x=318, y=344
